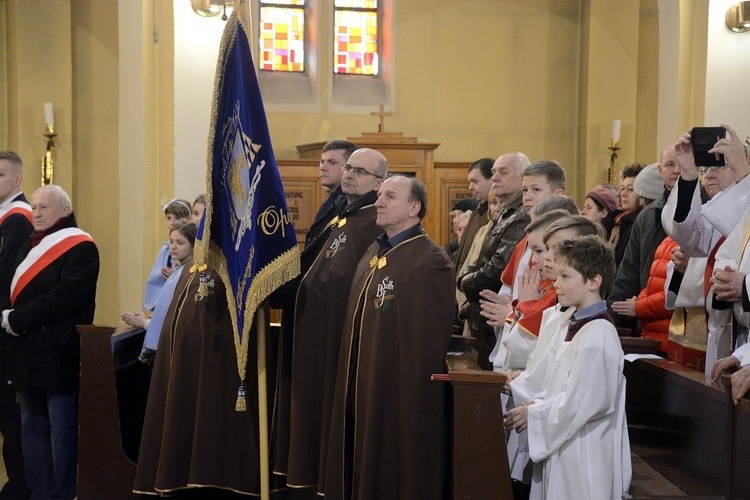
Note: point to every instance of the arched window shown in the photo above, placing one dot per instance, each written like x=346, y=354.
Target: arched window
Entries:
x=282, y=35
x=356, y=33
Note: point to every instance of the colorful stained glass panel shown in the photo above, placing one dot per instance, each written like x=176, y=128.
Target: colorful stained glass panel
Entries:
x=282, y=37
x=356, y=41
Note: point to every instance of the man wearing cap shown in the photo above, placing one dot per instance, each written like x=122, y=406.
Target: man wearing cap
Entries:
x=647, y=233
x=460, y=214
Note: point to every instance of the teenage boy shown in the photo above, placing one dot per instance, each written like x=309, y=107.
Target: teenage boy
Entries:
x=520, y=348
x=577, y=431
x=541, y=181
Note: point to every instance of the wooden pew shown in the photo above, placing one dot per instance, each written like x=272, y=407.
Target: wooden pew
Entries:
x=687, y=430
x=114, y=389
x=478, y=456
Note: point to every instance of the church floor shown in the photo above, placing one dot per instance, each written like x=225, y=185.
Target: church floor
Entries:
x=647, y=481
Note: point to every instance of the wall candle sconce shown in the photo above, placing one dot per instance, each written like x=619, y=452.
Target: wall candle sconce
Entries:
x=738, y=17
x=210, y=8
x=614, y=147
x=48, y=169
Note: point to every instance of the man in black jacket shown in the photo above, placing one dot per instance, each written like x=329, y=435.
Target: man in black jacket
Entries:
x=53, y=290
x=15, y=229
x=506, y=231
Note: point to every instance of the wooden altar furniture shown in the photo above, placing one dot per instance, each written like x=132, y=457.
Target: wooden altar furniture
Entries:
x=445, y=182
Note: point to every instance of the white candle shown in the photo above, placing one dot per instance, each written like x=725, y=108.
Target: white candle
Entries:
x=616, y=130
x=49, y=114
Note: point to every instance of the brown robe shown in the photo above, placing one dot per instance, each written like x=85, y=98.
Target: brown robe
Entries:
x=319, y=322
x=388, y=428
x=192, y=435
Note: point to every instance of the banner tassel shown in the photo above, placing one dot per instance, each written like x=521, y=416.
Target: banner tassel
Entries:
x=241, y=404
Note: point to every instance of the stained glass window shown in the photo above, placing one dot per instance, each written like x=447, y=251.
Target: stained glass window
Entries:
x=282, y=35
x=355, y=37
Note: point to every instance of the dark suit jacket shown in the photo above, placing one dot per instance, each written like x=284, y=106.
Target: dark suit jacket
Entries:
x=14, y=233
x=45, y=314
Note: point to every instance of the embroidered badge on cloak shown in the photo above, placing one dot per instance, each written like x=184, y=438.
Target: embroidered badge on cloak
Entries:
x=338, y=243
x=385, y=293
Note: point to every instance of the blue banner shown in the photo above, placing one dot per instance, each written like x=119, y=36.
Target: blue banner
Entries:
x=246, y=234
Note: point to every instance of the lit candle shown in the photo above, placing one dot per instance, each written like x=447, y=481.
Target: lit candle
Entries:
x=616, y=130
x=49, y=114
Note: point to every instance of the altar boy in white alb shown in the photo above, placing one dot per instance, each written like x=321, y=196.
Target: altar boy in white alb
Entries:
x=577, y=430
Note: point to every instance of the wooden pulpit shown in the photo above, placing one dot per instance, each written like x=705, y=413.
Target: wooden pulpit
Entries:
x=114, y=390
x=478, y=454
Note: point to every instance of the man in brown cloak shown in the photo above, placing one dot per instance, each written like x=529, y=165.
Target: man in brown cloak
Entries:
x=388, y=429
x=319, y=318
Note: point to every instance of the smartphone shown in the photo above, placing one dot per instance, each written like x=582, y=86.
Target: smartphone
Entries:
x=703, y=139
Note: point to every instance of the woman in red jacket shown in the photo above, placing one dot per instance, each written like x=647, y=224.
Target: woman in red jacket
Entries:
x=648, y=307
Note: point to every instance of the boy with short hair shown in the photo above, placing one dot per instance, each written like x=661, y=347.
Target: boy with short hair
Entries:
x=524, y=341
x=577, y=431
x=541, y=181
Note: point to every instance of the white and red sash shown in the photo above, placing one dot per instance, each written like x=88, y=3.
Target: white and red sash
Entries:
x=15, y=207
x=45, y=253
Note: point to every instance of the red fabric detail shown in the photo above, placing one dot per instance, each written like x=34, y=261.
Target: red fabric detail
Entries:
x=685, y=356
x=36, y=237
x=710, y=266
x=16, y=210
x=649, y=306
x=509, y=273
x=48, y=258
x=531, y=310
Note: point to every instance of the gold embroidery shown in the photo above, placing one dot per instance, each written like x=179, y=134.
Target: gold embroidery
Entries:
x=334, y=221
x=382, y=262
x=342, y=222
x=373, y=261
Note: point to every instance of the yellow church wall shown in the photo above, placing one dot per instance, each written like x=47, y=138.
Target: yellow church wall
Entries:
x=487, y=77
x=481, y=77
x=38, y=54
x=95, y=139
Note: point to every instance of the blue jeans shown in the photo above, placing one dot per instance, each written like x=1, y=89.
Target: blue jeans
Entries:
x=49, y=433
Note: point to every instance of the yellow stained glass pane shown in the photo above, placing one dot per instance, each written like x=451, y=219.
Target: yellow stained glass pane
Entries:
x=357, y=4
x=356, y=41
x=282, y=36
x=283, y=2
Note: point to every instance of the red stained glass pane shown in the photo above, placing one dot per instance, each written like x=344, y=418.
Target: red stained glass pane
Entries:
x=356, y=39
x=282, y=35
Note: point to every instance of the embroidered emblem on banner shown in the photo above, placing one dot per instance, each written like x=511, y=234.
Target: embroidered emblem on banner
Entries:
x=385, y=294
x=337, y=244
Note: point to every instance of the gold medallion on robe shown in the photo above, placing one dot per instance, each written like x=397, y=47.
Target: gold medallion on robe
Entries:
x=380, y=262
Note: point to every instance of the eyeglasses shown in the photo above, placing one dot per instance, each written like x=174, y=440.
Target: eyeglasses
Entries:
x=358, y=171
x=714, y=169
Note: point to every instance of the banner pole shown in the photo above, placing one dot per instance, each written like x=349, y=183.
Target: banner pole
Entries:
x=260, y=322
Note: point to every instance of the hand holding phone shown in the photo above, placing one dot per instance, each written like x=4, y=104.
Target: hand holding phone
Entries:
x=703, y=139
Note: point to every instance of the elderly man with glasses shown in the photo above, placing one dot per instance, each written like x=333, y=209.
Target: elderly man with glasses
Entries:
x=319, y=318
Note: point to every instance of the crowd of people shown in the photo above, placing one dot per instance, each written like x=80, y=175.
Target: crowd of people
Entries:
x=544, y=286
